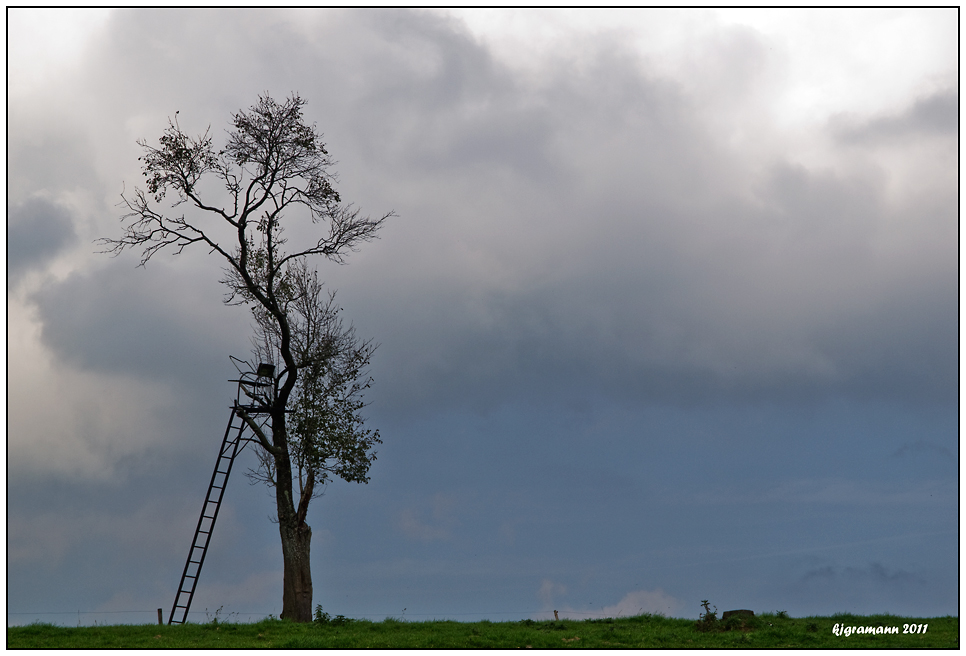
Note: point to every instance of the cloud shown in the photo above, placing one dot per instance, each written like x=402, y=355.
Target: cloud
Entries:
x=72, y=424
x=593, y=231
x=813, y=492
x=641, y=602
x=156, y=323
x=936, y=115
x=791, y=297
x=871, y=588
x=637, y=602
x=923, y=447
x=41, y=539
x=874, y=572
x=549, y=591
x=437, y=527
x=412, y=526
x=37, y=230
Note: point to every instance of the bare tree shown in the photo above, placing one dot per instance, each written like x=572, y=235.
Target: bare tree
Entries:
x=273, y=164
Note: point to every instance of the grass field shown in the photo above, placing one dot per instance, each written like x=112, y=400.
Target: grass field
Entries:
x=762, y=631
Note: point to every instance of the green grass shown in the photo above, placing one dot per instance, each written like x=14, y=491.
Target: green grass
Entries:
x=763, y=631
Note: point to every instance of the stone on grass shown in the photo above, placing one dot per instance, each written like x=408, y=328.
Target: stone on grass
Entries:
x=740, y=613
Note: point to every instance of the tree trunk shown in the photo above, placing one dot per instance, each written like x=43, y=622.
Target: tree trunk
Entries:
x=295, y=533
x=297, y=577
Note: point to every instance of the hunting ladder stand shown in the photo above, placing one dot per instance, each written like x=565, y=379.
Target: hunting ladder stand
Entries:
x=259, y=388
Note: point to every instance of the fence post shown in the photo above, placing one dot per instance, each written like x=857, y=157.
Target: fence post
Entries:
x=160, y=617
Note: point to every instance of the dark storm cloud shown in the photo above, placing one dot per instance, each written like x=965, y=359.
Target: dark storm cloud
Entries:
x=933, y=115
x=579, y=236
x=625, y=263
x=872, y=588
x=789, y=302
x=921, y=448
x=36, y=231
x=159, y=322
x=875, y=572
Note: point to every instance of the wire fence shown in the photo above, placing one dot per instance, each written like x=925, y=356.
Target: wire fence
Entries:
x=200, y=616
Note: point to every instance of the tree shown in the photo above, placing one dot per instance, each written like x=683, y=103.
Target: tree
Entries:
x=273, y=164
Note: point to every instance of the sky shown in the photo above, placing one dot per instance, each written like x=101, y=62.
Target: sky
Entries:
x=668, y=312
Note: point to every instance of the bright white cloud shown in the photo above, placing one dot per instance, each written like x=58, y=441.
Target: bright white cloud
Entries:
x=45, y=44
x=637, y=602
x=655, y=602
x=832, y=60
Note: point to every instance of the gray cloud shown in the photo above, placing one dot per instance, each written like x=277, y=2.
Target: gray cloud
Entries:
x=36, y=231
x=162, y=322
x=866, y=587
x=924, y=448
x=874, y=574
x=668, y=305
x=934, y=115
x=586, y=229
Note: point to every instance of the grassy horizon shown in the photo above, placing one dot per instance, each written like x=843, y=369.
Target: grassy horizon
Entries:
x=651, y=631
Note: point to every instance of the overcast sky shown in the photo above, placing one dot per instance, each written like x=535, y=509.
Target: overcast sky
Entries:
x=669, y=313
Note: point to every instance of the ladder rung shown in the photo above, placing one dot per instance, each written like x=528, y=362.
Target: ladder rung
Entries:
x=223, y=465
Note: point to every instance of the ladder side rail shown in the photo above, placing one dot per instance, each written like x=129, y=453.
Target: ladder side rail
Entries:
x=211, y=485
x=196, y=555
x=214, y=516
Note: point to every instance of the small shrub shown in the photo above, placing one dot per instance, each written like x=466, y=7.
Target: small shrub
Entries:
x=324, y=619
x=708, y=621
x=743, y=623
x=553, y=626
x=781, y=614
x=320, y=617
x=733, y=623
x=340, y=620
x=213, y=620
